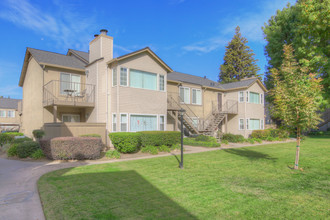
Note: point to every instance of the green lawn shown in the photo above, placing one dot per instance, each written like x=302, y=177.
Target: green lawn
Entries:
x=245, y=183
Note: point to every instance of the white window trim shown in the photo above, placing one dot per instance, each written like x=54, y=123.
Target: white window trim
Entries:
x=13, y=116
x=127, y=127
x=239, y=96
x=158, y=84
x=114, y=122
x=255, y=119
x=5, y=115
x=71, y=74
x=239, y=124
x=261, y=99
x=127, y=76
x=159, y=122
x=182, y=101
x=247, y=97
x=192, y=100
x=71, y=115
x=113, y=75
x=262, y=124
x=141, y=114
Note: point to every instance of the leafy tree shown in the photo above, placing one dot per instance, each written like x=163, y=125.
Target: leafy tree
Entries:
x=238, y=61
x=305, y=26
x=296, y=96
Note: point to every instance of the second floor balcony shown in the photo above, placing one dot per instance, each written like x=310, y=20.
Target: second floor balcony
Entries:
x=64, y=93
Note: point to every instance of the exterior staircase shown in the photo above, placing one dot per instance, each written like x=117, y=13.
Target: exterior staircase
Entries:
x=194, y=124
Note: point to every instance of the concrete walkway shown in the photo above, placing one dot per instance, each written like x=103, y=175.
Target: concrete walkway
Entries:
x=19, y=197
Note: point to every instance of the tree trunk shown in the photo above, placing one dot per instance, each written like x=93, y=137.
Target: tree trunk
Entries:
x=297, y=149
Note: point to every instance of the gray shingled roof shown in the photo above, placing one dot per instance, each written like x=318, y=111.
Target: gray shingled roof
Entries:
x=183, y=77
x=57, y=59
x=239, y=84
x=7, y=103
x=82, y=54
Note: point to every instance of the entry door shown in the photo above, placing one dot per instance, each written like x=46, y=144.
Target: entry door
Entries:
x=220, y=101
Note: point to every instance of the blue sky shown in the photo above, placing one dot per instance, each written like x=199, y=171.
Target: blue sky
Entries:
x=189, y=35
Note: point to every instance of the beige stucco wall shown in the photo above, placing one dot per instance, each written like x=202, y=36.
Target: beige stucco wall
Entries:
x=14, y=120
x=245, y=111
x=125, y=99
x=74, y=129
x=32, y=117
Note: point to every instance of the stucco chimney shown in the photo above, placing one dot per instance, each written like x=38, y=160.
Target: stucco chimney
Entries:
x=104, y=31
x=101, y=46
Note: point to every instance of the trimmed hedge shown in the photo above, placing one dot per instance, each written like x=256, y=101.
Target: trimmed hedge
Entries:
x=27, y=148
x=158, y=138
x=126, y=142
x=270, y=134
x=233, y=138
x=21, y=140
x=65, y=148
x=38, y=133
x=194, y=142
x=5, y=138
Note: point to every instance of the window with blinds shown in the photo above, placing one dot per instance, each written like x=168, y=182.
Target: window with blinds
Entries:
x=114, y=76
x=184, y=95
x=161, y=83
x=254, y=124
x=114, y=122
x=143, y=123
x=254, y=98
x=143, y=80
x=123, y=122
x=123, y=76
x=196, y=96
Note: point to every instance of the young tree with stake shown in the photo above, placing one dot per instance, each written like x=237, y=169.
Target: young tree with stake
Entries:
x=297, y=96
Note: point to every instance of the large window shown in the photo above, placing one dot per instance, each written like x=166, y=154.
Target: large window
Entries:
x=196, y=96
x=70, y=118
x=143, y=80
x=2, y=113
x=241, y=124
x=114, y=76
x=123, y=122
x=114, y=122
x=162, y=122
x=123, y=76
x=241, y=96
x=185, y=95
x=69, y=83
x=143, y=123
x=11, y=114
x=254, y=98
x=161, y=83
x=254, y=124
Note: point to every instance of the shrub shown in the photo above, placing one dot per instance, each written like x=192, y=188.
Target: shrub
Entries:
x=12, y=150
x=250, y=140
x=158, y=138
x=273, y=133
x=224, y=142
x=233, y=138
x=193, y=142
x=150, y=149
x=164, y=148
x=257, y=140
x=27, y=148
x=38, y=154
x=21, y=140
x=176, y=147
x=126, y=142
x=38, y=133
x=202, y=138
x=14, y=134
x=5, y=138
x=90, y=135
x=112, y=154
x=72, y=148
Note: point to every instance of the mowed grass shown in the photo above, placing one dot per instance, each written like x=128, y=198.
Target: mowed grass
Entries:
x=243, y=183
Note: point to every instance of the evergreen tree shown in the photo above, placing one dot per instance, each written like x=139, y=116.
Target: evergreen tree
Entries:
x=238, y=61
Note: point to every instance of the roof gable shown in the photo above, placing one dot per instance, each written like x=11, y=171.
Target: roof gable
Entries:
x=144, y=50
x=84, y=56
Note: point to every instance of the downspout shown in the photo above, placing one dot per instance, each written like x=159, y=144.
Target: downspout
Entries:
x=107, y=110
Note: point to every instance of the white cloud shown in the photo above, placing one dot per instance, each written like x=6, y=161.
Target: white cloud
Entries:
x=250, y=24
x=63, y=29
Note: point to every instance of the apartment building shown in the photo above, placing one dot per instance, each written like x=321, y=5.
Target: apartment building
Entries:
x=79, y=93
x=10, y=110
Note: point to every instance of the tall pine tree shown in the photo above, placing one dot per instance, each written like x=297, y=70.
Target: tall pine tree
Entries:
x=238, y=61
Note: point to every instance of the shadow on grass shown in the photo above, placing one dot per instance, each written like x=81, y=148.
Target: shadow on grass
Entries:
x=250, y=154
x=112, y=194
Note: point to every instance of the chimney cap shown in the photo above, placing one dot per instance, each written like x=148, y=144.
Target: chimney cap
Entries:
x=96, y=35
x=204, y=77
x=104, y=31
